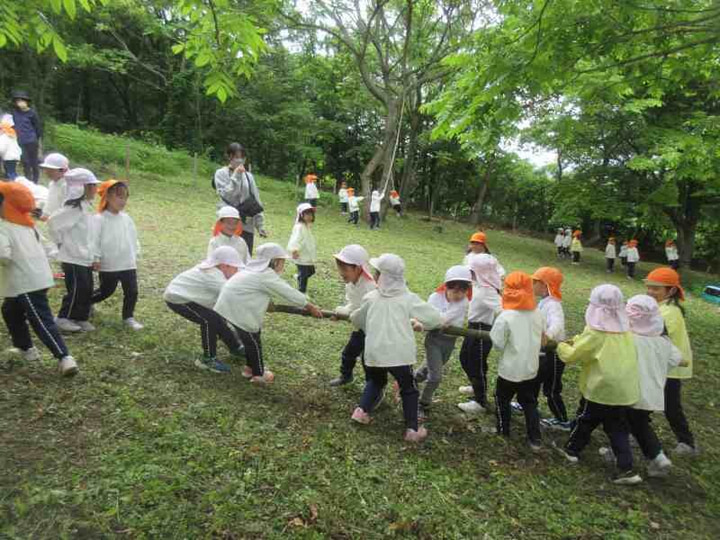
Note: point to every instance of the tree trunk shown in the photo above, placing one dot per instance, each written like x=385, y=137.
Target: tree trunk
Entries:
x=382, y=156
x=476, y=214
x=516, y=209
x=685, y=218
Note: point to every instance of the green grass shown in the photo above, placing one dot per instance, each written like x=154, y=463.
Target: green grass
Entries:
x=143, y=445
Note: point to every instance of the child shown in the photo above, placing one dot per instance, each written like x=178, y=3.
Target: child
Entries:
x=343, y=197
x=25, y=278
x=55, y=166
x=518, y=334
x=633, y=257
x=567, y=242
x=656, y=355
x=623, y=253
x=244, y=300
x=671, y=253
x=610, y=255
x=547, y=282
x=72, y=229
x=193, y=294
x=388, y=316
x=116, y=250
x=302, y=245
x=663, y=284
x=609, y=381
x=576, y=247
x=311, y=190
x=10, y=152
x=395, y=202
x=451, y=300
x=478, y=244
x=354, y=206
x=484, y=307
x=559, y=239
x=352, y=264
x=375, y=199
x=29, y=132
x=228, y=232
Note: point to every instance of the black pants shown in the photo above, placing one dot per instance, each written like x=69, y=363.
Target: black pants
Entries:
x=354, y=217
x=211, y=324
x=623, y=261
x=305, y=272
x=343, y=207
x=375, y=382
x=640, y=426
x=526, y=395
x=374, y=220
x=10, y=167
x=79, y=289
x=675, y=414
x=610, y=264
x=549, y=378
x=398, y=209
x=350, y=353
x=631, y=269
x=560, y=252
x=249, y=240
x=31, y=164
x=253, y=350
x=473, y=358
x=614, y=421
x=312, y=202
x=109, y=282
x=576, y=256
x=32, y=307
x=675, y=264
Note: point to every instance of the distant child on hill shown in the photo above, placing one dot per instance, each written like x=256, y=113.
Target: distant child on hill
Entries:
x=25, y=278
x=559, y=239
x=72, y=228
x=116, y=249
x=609, y=380
x=343, y=198
x=451, y=300
x=576, y=247
x=375, y=201
x=547, y=283
x=633, y=257
x=388, y=316
x=395, y=202
x=671, y=252
x=352, y=264
x=228, y=232
x=311, y=191
x=10, y=152
x=610, y=255
x=192, y=295
x=302, y=246
x=245, y=298
x=567, y=242
x=354, y=206
x=663, y=284
x=518, y=334
x=623, y=253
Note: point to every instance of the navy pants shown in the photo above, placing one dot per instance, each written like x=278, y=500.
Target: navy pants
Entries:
x=353, y=349
x=473, y=358
x=109, y=282
x=526, y=392
x=253, y=350
x=30, y=160
x=305, y=272
x=79, y=289
x=33, y=308
x=211, y=325
x=641, y=428
x=549, y=379
x=375, y=382
x=675, y=414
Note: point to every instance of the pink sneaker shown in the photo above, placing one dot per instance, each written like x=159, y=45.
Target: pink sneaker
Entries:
x=360, y=416
x=247, y=372
x=416, y=436
x=267, y=378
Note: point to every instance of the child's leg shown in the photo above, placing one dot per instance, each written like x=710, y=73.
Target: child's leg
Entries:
x=616, y=426
x=675, y=414
x=438, y=349
x=504, y=392
x=552, y=387
x=128, y=279
x=108, y=283
x=473, y=358
x=253, y=351
x=79, y=282
x=375, y=382
x=191, y=312
x=10, y=169
x=68, y=300
x=641, y=429
x=527, y=397
x=14, y=316
x=631, y=269
x=34, y=307
x=350, y=353
x=409, y=394
x=610, y=263
x=590, y=417
x=305, y=272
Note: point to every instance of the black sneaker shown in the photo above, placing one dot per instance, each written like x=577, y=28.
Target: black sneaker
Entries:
x=341, y=380
x=627, y=478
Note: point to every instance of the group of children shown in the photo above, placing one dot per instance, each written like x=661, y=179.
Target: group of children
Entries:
x=350, y=204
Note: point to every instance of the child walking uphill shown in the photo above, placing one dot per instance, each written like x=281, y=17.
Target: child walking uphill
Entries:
x=228, y=232
x=375, y=201
x=671, y=252
x=547, y=283
x=623, y=253
x=25, y=278
x=343, y=198
x=311, y=191
x=302, y=245
x=193, y=294
x=518, y=334
x=567, y=242
x=72, y=228
x=610, y=255
x=663, y=284
x=609, y=381
x=354, y=206
x=484, y=307
x=388, y=316
x=244, y=300
x=352, y=264
x=559, y=239
x=451, y=300
x=633, y=257
x=576, y=247
x=116, y=250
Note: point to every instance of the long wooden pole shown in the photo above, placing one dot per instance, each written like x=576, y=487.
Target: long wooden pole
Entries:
x=455, y=331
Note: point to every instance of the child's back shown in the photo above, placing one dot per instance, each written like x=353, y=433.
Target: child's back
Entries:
x=519, y=335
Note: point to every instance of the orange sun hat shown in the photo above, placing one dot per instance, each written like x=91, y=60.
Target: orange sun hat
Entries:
x=633, y=243
x=577, y=234
x=665, y=277
x=310, y=178
x=103, y=189
x=478, y=238
x=552, y=277
x=669, y=242
x=18, y=202
x=518, y=292
x=394, y=193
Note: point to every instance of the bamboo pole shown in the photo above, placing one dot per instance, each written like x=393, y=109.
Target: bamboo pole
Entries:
x=454, y=331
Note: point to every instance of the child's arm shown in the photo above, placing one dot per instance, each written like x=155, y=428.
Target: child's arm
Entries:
x=61, y=221
x=676, y=357
x=499, y=333
x=583, y=347
x=295, y=244
x=359, y=316
x=5, y=248
x=425, y=314
x=95, y=244
x=555, y=321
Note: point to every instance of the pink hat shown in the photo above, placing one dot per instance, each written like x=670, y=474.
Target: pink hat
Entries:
x=485, y=268
x=644, y=314
x=606, y=311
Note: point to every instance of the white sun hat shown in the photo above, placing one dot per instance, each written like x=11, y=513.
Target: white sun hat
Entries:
x=356, y=255
x=228, y=212
x=222, y=255
x=55, y=161
x=392, y=274
x=458, y=273
x=81, y=177
x=264, y=255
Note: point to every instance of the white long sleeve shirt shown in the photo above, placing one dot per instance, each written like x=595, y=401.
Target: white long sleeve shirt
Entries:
x=303, y=241
x=394, y=200
x=567, y=241
x=234, y=241
x=559, y=240
x=116, y=242
x=656, y=356
x=311, y=191
x=375, y=202
x=552, y=310
x=342, y=195
x=610, y=252
x=354, y=295
x=354, y=203
x=671, y=253
x=500, y=267
x=73, y=229
x=201, y=286
x=389, y=337
x=486, y=304
x=245, y=297
x=518, y=335
x=24, y=268
x=623, y=251
x=633, y=255
x=453, y=313
x=57, y=192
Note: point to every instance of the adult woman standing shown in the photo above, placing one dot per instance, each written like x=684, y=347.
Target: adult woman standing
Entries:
x=236, y=187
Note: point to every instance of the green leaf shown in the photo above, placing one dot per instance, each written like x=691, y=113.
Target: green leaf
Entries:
x=60, y=49
x=70, y=8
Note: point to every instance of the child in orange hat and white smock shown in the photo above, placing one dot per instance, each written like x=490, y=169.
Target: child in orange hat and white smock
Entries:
x=395, y=202
x=311, y=191
x=671, y=252
x=343, y=198
x=610, y=255
x=478, y=244
x=227, y=231
x=354, y=206
x=633, y=257
x=576, y=247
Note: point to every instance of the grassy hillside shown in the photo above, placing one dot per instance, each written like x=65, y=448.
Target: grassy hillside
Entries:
x=143, y=445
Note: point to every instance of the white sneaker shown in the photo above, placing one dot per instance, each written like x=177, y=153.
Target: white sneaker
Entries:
x=607, y=454
x=467, y=390
x=660, y=466
x=31, y=355
x=68, y=367
x=85, y=326
x=683, y=449
x=66, y=325
x=471, y=407
x=133, y=324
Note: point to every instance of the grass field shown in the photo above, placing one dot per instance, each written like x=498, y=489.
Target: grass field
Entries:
x=143, y=445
